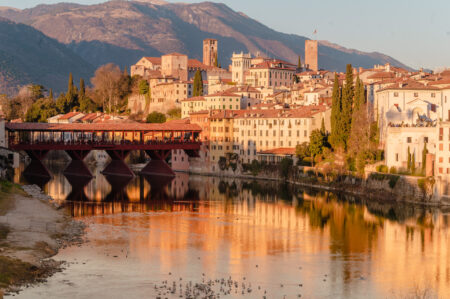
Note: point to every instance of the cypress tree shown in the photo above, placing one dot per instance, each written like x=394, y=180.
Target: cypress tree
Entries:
x=347, y=105
x=322, y=127
x=413, y=163
x=82, y=92
x=70, y=84
x=335, y=137
x=216, y=63
x=50, y=94
x=424, y=158
x=409, y=160
x=299, y=64
x=198, y=84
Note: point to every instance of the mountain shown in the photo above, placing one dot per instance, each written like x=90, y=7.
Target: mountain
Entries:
x=124, y=31
x=28, y=56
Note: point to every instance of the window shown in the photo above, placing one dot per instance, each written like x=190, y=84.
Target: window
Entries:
x=396, y=157
x=425, y=139
x=416, y=94
x=440, y=170
x=433, y=95
x=441, y=147
x=408, y=139
x=441, y=134
x=441, y=160
x=395, y=94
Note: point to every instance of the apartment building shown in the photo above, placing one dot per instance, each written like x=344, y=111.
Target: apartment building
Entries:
x=261, y=130
x=271, y=74
x=223, y=100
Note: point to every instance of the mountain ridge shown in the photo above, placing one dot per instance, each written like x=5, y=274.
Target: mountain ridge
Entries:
x=122, y=32
x=29, y=56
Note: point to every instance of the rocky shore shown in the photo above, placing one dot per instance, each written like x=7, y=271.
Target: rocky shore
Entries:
x=33, y=227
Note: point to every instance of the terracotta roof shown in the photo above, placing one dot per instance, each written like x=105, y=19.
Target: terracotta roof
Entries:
x=279, y=151
x=69, y=115
x=154, y=60
x=246, y=88
x=225, y=93
x=193, y=99
x=409, y=85
x=175, y=54
x=113, y=126
x=381, y=75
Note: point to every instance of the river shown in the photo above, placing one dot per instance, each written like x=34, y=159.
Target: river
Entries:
x=242, y=239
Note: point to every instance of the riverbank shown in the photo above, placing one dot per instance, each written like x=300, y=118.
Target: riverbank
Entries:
x=405, y=188
x=32, y=229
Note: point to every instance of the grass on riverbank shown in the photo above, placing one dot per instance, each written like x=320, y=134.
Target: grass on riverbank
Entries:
x=14, y=271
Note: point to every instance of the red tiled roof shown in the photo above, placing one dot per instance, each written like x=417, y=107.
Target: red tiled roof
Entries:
x=112, y=126
x=225, y=93
x=154, y=60
x=193, y=99
x=69, y=115
x=381, y=75
x=175, y=54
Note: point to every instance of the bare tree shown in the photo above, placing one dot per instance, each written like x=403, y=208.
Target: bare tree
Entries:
x=106, y=85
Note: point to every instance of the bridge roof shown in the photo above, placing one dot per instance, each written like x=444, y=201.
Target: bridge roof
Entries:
x=134, y=127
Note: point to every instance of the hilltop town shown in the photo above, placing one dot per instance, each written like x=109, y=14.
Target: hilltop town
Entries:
x=260, y=111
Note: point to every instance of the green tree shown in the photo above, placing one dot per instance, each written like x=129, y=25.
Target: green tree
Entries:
x=156, y=117
x=144, y=88
x=302, y=151
x=285, y=167
x=299, y=64
x=37, y=91
x=50, y=94
x=82, y=92
x=198, y=84
x=174, y=113
x=316, y=143
x=322, y=127
x=413, y=163
x=347, y=105
x=409, y=160
x=41, y=110
x=336, y=111
x=424, y=158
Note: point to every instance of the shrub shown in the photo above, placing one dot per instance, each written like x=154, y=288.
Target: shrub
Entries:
x=156, y=117
x=381, y=177
x=382, y=168
x=393, y=170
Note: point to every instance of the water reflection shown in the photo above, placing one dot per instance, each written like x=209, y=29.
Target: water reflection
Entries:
x=365, y=248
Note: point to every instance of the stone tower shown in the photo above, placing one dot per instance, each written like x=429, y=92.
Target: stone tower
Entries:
x=311, y=55
x=209, y=51
x=240, y=63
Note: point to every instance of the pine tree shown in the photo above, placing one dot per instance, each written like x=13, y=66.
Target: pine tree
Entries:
x=335, y=138
x=424, y=158
x=347, y=105
x=198, y=84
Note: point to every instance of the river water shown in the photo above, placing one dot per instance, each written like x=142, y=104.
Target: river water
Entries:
x=261, y=238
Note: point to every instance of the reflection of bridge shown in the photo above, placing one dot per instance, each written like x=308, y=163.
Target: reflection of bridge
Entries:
x=118, y=140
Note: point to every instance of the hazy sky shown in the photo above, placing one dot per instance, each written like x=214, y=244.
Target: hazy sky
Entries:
x=416, y=32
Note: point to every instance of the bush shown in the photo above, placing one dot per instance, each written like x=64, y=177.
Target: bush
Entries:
x=6, y=186
x=156, y=117
x=382, y=168
x=393, y=170
x=285, y=167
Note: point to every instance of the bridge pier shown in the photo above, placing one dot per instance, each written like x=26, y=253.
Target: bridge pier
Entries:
x=117, y=166
x=157, y=164
x=36, y=168
x=77, y=166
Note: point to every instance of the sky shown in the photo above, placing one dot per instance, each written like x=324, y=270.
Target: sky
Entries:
x=416, y=32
